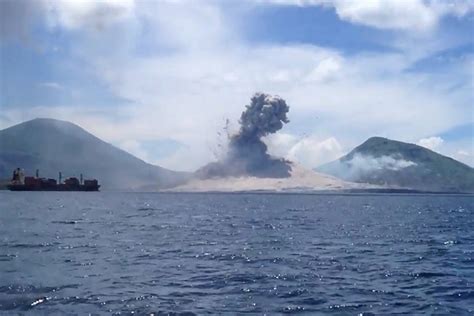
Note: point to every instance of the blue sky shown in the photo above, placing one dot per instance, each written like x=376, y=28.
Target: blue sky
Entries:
x=159, y=78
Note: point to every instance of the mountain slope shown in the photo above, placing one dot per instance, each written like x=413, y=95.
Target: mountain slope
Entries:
x=387, y=162
x=300, y=180
x=52, y=146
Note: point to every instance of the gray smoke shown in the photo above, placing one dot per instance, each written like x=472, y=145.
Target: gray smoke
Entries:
x=247, y=153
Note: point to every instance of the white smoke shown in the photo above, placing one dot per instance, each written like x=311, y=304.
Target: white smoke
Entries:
x=363, y=163
x=431, y=142
x=361, y=166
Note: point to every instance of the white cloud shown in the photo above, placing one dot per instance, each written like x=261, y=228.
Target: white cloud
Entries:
x=18, y=17
x=310, y=151
x=92, y=14
x=463, y=153
x=133, y=147
x=417, y=15
x=432, y=143
x=388, y=14
x=461, y=150
x=325, y=70
x=51, y=85
x=204, y=72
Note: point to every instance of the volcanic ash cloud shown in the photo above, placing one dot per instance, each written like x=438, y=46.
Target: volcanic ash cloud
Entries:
x=247, y=154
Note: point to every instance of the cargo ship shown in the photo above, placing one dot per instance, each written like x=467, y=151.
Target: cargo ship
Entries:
x=22, y=183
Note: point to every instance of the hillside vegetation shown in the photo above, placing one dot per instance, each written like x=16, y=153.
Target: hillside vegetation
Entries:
x=388, y=162
x=52, y=146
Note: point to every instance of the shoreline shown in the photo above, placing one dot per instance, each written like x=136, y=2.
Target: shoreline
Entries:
x=347, y=192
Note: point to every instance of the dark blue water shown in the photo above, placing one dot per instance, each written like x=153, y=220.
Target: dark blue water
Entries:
x=124, y=253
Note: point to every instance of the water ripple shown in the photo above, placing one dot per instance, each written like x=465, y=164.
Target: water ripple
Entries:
x=167, y=254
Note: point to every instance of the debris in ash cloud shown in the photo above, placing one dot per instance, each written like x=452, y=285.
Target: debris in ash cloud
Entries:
x=247, y=153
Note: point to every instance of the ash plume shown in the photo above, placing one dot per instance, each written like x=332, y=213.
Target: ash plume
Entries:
x=247, y=153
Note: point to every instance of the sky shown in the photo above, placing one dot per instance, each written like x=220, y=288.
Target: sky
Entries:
x=161, y=79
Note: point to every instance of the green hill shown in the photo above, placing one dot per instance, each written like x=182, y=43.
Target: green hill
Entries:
x=52, y=146
x=388, y=162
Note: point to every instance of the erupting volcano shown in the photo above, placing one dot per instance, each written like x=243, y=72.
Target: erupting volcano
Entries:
x=247, y=153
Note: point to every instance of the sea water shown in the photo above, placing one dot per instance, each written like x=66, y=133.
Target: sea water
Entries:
x=145, y=253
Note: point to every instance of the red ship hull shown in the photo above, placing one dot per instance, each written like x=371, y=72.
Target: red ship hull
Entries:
x=43, y=184
x=59, y=187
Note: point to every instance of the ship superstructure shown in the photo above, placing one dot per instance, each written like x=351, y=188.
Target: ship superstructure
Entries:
x=20, y=182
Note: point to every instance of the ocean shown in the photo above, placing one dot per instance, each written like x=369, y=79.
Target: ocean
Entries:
x=193, y=254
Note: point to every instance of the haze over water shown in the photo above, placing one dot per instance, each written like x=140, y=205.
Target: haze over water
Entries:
x=216, y=253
